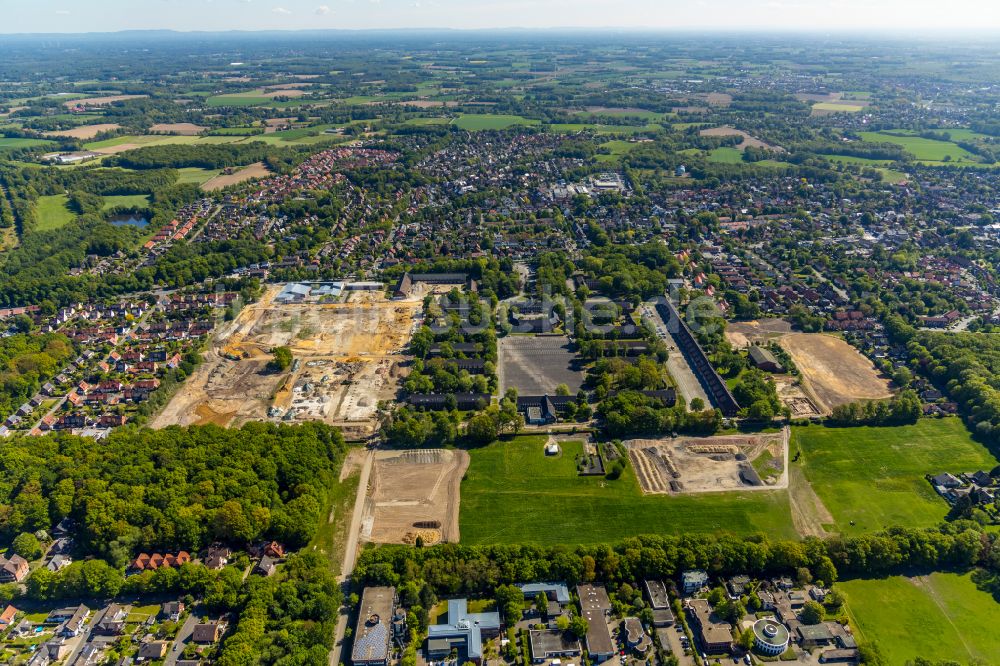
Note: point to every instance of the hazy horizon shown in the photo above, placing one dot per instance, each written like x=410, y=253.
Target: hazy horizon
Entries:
x=898, y=16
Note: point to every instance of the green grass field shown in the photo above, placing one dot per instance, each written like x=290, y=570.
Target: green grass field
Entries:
x=476, y=122
x=12, y=143
x=925, y=150
x=512, y=492
x=726, y=155
x=940, y=617
x=875, y=476
x=196, y=175
x=126, y=200
x=52, y=212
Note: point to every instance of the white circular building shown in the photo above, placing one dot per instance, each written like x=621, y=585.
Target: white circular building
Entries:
x=770, y=637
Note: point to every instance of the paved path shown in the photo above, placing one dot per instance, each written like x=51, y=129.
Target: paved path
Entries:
x=687, y=382
x=350, y=553
x=183, y=634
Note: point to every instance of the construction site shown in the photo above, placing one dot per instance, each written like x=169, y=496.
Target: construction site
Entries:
x=414, y=495
x=347, y=357
x=708, y=464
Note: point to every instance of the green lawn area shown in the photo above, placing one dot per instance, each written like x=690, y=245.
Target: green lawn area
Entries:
x=196, y=175
x=726, y=155
x=476, y=122
x=126, y=200
x=11, y=143
x=52, y=212
x=939, y=617
x=875, y=476
x=513, y=493
x=927, y=150
x=238, y=99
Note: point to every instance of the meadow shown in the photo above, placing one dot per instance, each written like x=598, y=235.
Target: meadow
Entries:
x=13, y=143
x=872, y=478
x=941, y=616
x=126, y=201
x=476, y=122
x=52, y=212
x=926, y=150
x=513, y=492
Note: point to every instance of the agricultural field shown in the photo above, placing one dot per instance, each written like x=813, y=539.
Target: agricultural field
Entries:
x=514, y=493
x=871, y=478
x=926, y=150
x=726, y=155
x=940, y=616
x=52, y=212
x=233, y=177
x=476, y=122
x=13, y=143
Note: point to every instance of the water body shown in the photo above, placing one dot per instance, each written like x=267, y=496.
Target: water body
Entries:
x=129, y=220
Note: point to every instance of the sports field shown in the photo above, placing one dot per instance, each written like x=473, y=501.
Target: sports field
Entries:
x=476, y=122
x=52, y=212
x=939, y=617
x=512, y=492
x=875, y=476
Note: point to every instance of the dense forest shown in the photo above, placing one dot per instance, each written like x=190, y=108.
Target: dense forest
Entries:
x=26, y=361
x=177, y=488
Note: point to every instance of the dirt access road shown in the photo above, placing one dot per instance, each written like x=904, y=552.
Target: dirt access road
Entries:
x=351, y=553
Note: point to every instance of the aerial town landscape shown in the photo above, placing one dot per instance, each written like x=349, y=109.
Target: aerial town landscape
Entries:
x=498, y=347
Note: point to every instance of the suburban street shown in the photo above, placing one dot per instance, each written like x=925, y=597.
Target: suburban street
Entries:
x=183, y=634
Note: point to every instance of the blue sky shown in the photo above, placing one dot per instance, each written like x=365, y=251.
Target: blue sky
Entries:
x=112, y=15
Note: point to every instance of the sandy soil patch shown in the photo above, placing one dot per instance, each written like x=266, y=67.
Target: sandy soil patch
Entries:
x=100, y=101
x=347, y=358
x=719, y=99
x=255, y=170
x=748, y=140
x=182, y=129
x=791, y=393
x=741, y=334
x=709, y=464
x=414, y=493
x=833, y=372
x=84, y=131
